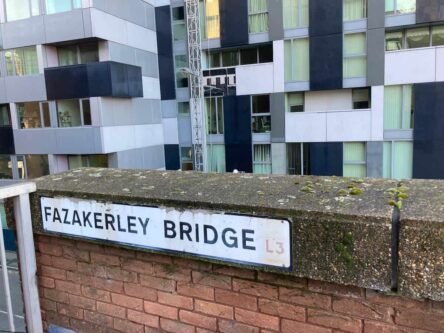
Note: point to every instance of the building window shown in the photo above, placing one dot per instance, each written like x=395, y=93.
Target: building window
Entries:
x=32, y=166
x=257, y=16
x=355, y=55
x=295, y=102
x=244, y=56
x=179, y=28
x=216, y=158
x=355, y=164
x=5, y=115
x=361, y=98
x=297, y=63
x=398, y=107
x=74, y=113
x=394, y=41
x=78, y=54
x=209, y=18
x=21, y=61
x=186, y=157
x=87, y=161
x=59, y=6
x=355, y=10
x=298, y=159
x=33, y=115
x=214, y=111
x=419, y=37
x=5, y=167
x=438, y=35
x=295, y=14
x=262, y=159
x=414, y=38
x=184, y=108
x=181, y=62
x=261, y=118
x=21, y=9
x=398, y=159
x=400, y=6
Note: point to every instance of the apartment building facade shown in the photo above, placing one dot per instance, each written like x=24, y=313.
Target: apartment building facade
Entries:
x=338, y=87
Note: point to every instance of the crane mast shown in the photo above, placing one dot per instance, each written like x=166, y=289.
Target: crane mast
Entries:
x=196, y=86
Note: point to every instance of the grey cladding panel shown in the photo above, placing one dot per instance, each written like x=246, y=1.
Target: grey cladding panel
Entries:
x=429, y=11
x=25, y=88
x=23, y=32
x=130, y=10
x=277, y=107
x=376, y=14
x=374, y=159
x=375, y=57
x=65, y=26
x=275, y=19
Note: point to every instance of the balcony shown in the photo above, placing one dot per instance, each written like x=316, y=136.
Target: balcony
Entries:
x=6, y=140
x=99, y=79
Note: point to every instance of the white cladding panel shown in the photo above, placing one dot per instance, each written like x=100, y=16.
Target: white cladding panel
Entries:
x=279, y=70
x=333, y=100
x=151, y=87
x=254, y=79
x=170, y=131
x=348, y=126
x=305, y=127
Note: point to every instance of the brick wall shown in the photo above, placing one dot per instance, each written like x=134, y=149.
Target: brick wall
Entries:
x=92, y=288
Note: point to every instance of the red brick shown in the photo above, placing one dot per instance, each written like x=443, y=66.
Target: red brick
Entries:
x=127, y=301
x=91, y=269
x=88, y=246
x=63, y=263
x=82, y=302
x=63, y=242
x=157, y=283
x=151, y=257
x=289, y=326
x=152, y=330
x=231, y=326
x=51, y=249
x=257, y=319
x=160, y=310
x=120, y=252
x=196, y=290
x=96, y=282
x=57, y=319
x=83, y=326
x=214, y=309
x=203, y=330
x=212, y=280
x=287, y=281
x=438, y=306
x=175, y=300
x=127, y=327
x=111, y=310
x=97, y=294
x=282, y=309
x=48, y=305
x=395, y=301
x=56, y=295
x=69, y=287
x=52, y=272
x=143, y=318
x=301, y=297
x=255, y=289
x=235, y=272
x=46, y=282
x=193, y=264
x=175, y=327
x=104, y=259
x=376, y=327
x=172, y=272
x=98, y=319
x=75, y=254
x=332, y=320
x=138, y=291
x=116, y=273
x=70, y=311
x=198, y=320
x=335, y=289
x=236, y=299
x=43, y=259
x=418, y=319
x=138, y=266
x=359, y=308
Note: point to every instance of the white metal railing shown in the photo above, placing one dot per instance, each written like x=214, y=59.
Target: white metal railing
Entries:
x=19, y=192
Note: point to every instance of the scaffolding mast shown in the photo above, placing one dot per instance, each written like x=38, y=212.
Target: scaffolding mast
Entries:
x=196, y=86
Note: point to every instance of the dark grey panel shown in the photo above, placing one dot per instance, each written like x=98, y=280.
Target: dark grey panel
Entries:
x=429, y=11
x=326, y=158
x=172, y=157
x=325, y=17
x=277, y=107
x=374, y=159
x=375, y=57
x=376, y=14
x=428, y=134
x=165, y=53
x=275, y=20
x=233, y=22
x=6, y=141
x=326, y=62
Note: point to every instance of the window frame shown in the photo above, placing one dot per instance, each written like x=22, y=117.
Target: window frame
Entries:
x=13, y=61
x=292, y=40
x=393, y=156
x=396, y=11
x=179, y=22
x=238, y=51
x=263, y=163
x=302, y=146
x=41, y=115
x=355, y=55
x=204, y=32
x=45, y=7
x=251, y=14
x=299, y=16
x=219, y=127
x=261, y=114
x=352, y=163
x=189, y=160
x=362, y=18
x=31, y=14
x=78, y=53
x=404, y=38
x=287, y=101
x=82, y=116
x=403, y=107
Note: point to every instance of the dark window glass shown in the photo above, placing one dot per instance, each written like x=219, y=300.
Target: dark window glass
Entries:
x=298, y=157
x=361, y=98
x=214, y=59
x=261, y=124
x=178, y=13
x=86, y=112
x=261, y=104
x=89, y=52
x=5, y=117
x=248, y=56
x=266, y=53
x=230, y=58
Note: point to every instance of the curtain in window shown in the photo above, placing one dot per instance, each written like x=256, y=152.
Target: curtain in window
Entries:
x=403, y=160
x=407, y=112
x=392, y=107
x=405, y=6
x=393, y=41
x=262, y=159
x=296, y=57
x=67, y=55
x=31, y=65
x=17, y=9
x=354, y=160
x=387, y=160
x=211, y=20
x=438, y=35
x=216, y=158
x=295, y=102
x=355, y=9
x=211, y=112
x=258, y=16
x=295, y=13
x=355, y=59
x=418, y=38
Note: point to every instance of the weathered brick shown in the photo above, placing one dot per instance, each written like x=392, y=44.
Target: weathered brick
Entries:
x=301, y=297
x=111, y=310
x=333, y=320
x=175, y=300
x=438, y=306
x=70, y=311
x=283, y=310
x=172, y=272
x=175, y=327
x=231, y=326
x=151, y=257
x=152, y=330
x=395, y=301
x=83, y=326
x=43, y=259
x=419, y=319
x=97, y=294
x=48, y=305
x=158, y=283
x=52, y=272
x=120, y=252
x=196, y=290
x=46, y=282
x=199, y=320
x=236, y=299
x=138, y=266
x=64, y=263
x=51, y=249
x=104, y=259
x=377, y=327
x=138, y=291
x=91, y=269
x=143, y=318
x=56, y=295
x=69, y=287
x=127, y=301
x=363, y=309
x=160, y=310
x=289, y=326
x=76, y=254
x=98, y=318
x=286, y=281
x=257, y=319
x=212, y=280
x=82, y=302
x=235, y=272
x=87, y=246
x=56, y=319
x=255, y=289
x=116, y=273
x=193, y=264
x=63, y=242
x=214, y=309
x=335, y=289
x=96, y=282
x=126, y=326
